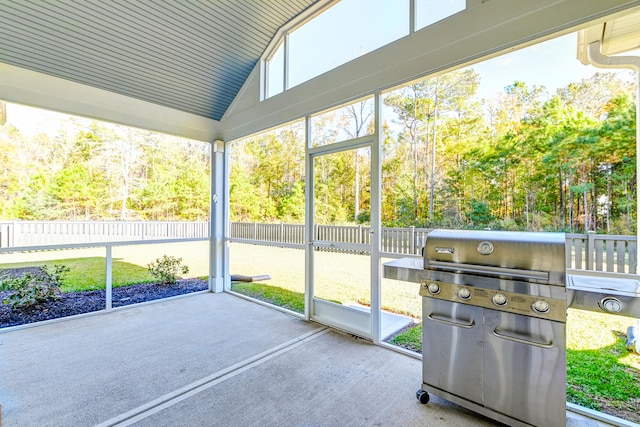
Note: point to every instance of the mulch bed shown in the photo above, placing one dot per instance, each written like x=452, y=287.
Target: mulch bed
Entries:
x=72, y=303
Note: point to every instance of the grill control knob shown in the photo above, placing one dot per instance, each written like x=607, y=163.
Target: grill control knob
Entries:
x=464, y=294
x=433, y=288
x=540, y=306
x=611, y=305
x=499, y=299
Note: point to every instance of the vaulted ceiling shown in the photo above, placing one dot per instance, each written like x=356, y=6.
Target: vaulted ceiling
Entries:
x=189, y=55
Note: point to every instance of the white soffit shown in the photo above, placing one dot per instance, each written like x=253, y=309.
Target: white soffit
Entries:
x=621, y=34
x=617, y=34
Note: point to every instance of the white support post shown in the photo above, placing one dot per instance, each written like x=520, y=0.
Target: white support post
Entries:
x=637, y=70
x=109, y=279
x=217, y=256
x=309, y=226
x=285, y=71
x=412, y=16
x=376, y=227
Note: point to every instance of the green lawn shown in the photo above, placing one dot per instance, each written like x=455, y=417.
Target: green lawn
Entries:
x=410, y=339
x=88, y=266
x=601, y=373
x=87, y=274
x=272, y=294
x=338, y=277
x=195, y=254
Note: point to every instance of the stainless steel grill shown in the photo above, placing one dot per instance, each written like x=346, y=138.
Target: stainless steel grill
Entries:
x=494, y=314
x=494, y=318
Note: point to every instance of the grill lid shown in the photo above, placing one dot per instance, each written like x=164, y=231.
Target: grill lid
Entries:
x=531, y=256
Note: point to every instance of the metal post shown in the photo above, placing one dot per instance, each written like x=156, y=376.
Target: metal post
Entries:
x=412, y=16
x=109, y=279
x=412, y=240
x=309, y=226
x=637, y=70
x=225, y=220
x=217, y=224
x=376, y=223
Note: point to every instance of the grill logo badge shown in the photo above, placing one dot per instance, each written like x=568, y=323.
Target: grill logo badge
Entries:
x=441, y=250
x=485, y=248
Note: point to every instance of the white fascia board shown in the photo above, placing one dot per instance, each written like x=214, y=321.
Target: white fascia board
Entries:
x=482, y=31
x=35, y=89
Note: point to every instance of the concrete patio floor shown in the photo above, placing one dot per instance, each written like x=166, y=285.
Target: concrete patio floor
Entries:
x=211, y=360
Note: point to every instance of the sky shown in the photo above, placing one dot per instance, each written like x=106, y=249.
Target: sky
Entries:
x=552, y=64
x=33, y=121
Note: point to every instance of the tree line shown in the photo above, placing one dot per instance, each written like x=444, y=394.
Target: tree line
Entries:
x=523, y=160
x=93, y=170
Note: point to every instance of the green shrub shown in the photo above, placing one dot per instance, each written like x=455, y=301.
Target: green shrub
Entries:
x=34, y=288
x=5, y=282
x=167, y=269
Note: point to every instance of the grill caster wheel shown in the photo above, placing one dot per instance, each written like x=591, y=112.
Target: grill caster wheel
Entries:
x=422, y=396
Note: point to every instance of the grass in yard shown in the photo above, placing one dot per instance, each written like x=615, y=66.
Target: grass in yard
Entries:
x=87, y=274
x=597, y=380
x=601, y=373
x=272, y=294
x=340, y=278
x=410, y=339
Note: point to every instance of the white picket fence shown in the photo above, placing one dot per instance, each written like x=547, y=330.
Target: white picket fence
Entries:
x=395, y=240
x=602, y=252
x=593, y=252
x=42, y=233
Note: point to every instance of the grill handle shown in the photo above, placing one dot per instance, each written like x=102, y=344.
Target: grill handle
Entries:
x=516, y=338
x=493, y=271
x=450, y=321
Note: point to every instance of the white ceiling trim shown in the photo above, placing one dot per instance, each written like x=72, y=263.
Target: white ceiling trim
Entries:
x=43, y=91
